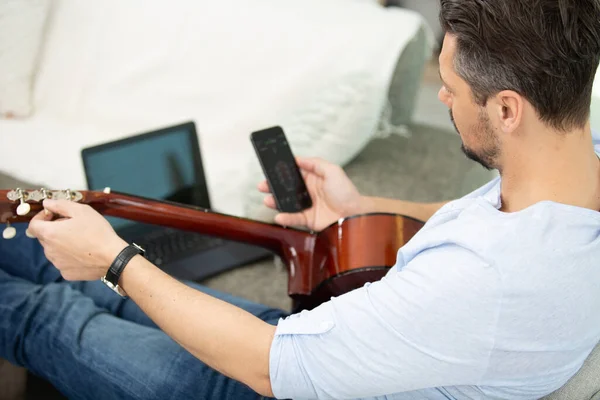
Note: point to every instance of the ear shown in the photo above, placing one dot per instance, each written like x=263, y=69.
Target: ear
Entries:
x=508, y=107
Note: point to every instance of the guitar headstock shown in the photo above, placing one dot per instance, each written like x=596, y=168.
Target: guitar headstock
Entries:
x=20, y=205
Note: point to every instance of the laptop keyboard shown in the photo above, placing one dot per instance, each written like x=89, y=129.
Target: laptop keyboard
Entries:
x=170, y=245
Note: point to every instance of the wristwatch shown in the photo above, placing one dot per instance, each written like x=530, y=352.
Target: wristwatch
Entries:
x=118, y=265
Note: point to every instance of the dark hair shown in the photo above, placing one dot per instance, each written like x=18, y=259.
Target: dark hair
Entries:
x=545, y=50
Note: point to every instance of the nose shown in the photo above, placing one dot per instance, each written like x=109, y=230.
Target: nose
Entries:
x=444, y=97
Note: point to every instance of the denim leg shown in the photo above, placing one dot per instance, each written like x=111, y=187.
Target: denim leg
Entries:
x=87, y=353
x=24, y=258
x=92, y=344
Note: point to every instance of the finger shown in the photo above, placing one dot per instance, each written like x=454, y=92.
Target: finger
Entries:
x=62, y=207
x=37, y=224
x=270, y=202
x=264, y=187
x=43, y=216
x=315, y=165
x=287, y=219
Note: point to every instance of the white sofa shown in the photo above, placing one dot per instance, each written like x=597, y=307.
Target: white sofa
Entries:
x=75, y=73
x=322, y=69
x=595, y=110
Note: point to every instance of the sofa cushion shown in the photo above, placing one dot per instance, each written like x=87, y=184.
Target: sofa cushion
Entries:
x=220, y=66
x=585, y=384
x=595, y=107
x=21, y=36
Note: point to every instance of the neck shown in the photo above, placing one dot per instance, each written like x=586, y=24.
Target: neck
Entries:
x=557, y=166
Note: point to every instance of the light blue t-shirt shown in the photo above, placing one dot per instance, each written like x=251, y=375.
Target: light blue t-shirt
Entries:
x=480, y=304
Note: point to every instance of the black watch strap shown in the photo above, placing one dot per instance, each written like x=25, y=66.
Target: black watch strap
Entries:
x=119, y=264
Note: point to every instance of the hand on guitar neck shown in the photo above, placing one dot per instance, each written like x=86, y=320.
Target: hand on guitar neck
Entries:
x=82, y=244
x=334, y=196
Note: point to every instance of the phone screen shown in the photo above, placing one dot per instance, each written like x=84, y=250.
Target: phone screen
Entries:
x=279, y=166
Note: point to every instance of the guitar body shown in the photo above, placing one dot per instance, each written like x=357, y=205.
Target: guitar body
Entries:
x=342, y=257
x=346, y=255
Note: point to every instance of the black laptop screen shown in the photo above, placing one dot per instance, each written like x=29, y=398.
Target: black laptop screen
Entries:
x=162, y=165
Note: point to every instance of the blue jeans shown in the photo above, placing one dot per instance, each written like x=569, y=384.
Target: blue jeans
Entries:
x=92, y=344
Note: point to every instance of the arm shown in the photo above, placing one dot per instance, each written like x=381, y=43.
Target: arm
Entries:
x=334, y=196
x=225, y=337
x=428, y=323
x=82, y=245
x=420, y=211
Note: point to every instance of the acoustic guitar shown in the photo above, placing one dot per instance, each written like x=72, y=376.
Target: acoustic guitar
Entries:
x=342, y=257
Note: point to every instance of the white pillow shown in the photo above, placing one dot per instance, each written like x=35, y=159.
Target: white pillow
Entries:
x=595, y=109
x=22, y=25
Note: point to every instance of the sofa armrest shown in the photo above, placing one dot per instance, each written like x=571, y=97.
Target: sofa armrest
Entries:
x=585, y=384
x=407, y=77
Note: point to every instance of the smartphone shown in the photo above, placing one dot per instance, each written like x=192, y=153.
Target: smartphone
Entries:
x=279, y=166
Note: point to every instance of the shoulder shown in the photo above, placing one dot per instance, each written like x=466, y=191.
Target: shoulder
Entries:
x=451, y=268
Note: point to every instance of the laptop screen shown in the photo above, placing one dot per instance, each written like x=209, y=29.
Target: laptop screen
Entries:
x=162, y=165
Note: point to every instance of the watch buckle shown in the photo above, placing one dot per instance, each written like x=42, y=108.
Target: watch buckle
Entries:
x=115, y=288
x=139, y=248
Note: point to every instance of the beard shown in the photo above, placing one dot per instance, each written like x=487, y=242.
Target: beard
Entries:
x=489, y=153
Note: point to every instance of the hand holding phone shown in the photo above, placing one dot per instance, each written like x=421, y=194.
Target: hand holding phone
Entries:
x=281, y=170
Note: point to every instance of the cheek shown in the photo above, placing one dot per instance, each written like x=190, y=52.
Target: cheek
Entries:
x=464, y=121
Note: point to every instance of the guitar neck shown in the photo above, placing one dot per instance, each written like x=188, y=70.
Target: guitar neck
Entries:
x=196, y=219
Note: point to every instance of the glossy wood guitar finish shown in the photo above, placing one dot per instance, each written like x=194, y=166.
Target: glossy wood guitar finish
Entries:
x=346, y=255
x=338, y=259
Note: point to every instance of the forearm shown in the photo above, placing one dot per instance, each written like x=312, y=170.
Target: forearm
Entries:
x=223, y=336
x=420, y=211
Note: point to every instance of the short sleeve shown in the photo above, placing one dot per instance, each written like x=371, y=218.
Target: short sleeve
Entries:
x=430, y=324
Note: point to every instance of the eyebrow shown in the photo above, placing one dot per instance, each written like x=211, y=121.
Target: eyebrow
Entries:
x=443, y=81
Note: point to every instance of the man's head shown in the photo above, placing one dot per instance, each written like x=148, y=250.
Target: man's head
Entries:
x=508, y=65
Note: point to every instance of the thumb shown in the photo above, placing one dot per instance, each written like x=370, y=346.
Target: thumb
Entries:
x=38, y=223
x=289, y=219
x=63, y=208
x=315, y=165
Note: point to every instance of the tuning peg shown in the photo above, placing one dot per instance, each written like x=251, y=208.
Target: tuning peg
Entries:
x=28, y=234
x=23, y=208
x=9, y=232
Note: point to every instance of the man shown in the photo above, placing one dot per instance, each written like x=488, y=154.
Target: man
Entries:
x=496, y=297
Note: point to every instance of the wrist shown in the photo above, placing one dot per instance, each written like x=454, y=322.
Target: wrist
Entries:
x=113, y=275
x=366, y=205
x=111, y=250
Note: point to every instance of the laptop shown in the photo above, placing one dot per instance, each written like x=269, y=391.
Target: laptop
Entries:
x=165, y=164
